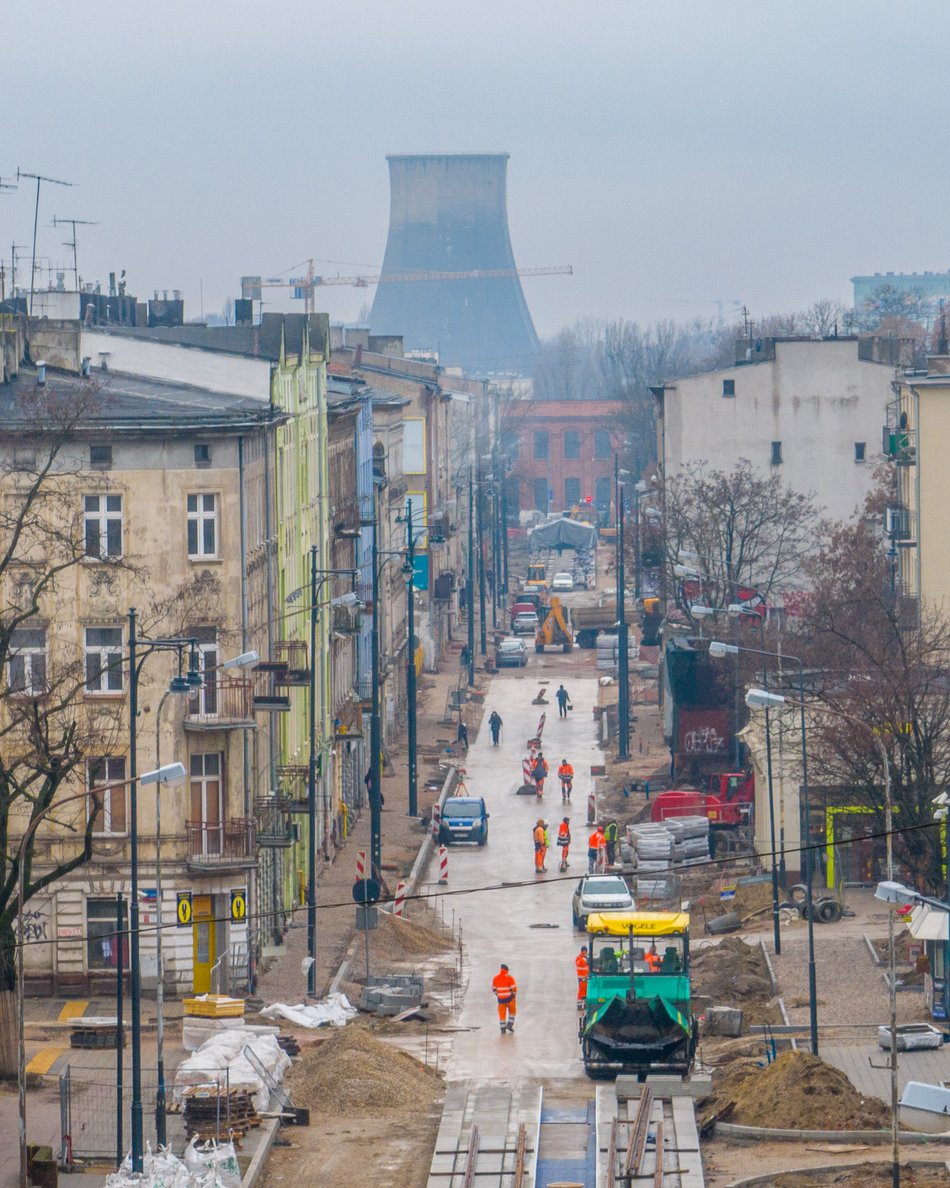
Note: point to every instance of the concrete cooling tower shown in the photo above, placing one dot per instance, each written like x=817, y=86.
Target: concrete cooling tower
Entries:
x=449, y=214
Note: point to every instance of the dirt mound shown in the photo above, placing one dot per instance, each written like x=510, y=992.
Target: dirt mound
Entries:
x=353, y=1072
x=731, y=973
x=796, y=1092
x=865, y=1175
x=396, y=938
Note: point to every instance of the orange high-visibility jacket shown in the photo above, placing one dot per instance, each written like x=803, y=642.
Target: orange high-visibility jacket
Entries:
x=564, y=834
x=582, y=967
x=504, y=986
x=565, y=771
x=540, y=836
x=596, y=840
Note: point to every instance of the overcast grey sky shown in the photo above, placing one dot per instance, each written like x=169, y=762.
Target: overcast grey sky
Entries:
x=675, y=152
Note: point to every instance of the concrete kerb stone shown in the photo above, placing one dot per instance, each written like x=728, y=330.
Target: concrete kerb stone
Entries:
x=775, y=1134
x=769, y=1178
x=415, y=877
x=768, y=965
x=268, y=1133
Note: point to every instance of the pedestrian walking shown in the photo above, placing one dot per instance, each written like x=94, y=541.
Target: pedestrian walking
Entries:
x=596, y=851
x=494, y=727
x=565, y=773
x=563, y=701
x=582, y=966
x=462, y=735
x=540, y=835
x=505, y=990
x=611, y=833
x=564, y=843
x=538, y=773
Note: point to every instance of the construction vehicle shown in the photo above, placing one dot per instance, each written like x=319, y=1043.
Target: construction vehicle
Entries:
x=650, y=621
x=637, y=1019
x=555, y=629
x=727, y=801
x=587, y=621
x=537, y=577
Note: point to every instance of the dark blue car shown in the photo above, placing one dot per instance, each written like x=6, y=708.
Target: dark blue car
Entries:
x=464, y=818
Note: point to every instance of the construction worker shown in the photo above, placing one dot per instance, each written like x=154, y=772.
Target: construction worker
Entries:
x=564, y=842
x=565, y=773
x=596, y=850
x=494, y=727
x=540, y=835
x=611, y=833
x=583, y=972
x=653, y=959
x=538, y=773
x=563, y=701
x=505, y=990
x=462, y=735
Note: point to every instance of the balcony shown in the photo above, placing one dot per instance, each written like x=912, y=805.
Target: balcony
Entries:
x=291, y=655
x=222, y=704
x=275, y=828
x=221, y=845
x=900, y=444
x=347, y=620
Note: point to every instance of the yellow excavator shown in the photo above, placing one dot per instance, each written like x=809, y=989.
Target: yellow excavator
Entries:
x=555, y=629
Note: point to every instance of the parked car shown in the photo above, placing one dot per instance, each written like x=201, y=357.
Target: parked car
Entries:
x=526, y=623
x=532, y=599
x=563, y=581
x=512, y=653
x=522, y=606
x=464, y=818
x=600, y=893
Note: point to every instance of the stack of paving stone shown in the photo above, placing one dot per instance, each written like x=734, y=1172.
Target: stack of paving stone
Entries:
x=392, y=994
x=690, y=840
x=653, y=846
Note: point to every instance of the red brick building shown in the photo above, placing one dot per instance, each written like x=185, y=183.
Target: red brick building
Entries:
x=565, y=453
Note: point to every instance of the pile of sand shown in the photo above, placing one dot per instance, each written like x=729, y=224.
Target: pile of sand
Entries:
x=796, y=1092
x=353, y=1072
x=731, y=973
x=395, y=938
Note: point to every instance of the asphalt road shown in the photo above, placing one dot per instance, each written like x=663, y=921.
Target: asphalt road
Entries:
x=502, y=925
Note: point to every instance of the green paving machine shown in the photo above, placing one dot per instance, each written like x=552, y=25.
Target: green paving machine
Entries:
x=636, y=1018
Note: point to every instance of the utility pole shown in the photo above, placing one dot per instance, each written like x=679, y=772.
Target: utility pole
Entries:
x=470, y=583
x=312, y=788
x=376, y=740
x=623, y=657
x=480, y=513
x=39, y=179
x=74, y=223
x=411, y=659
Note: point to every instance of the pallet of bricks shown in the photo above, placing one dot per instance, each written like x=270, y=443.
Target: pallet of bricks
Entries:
x=661, y=851
x=212, y=1112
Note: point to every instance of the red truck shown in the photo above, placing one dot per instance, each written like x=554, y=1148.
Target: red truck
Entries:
x=727, y=801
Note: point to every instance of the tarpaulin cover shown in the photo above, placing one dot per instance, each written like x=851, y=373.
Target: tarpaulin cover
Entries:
x=564, y=534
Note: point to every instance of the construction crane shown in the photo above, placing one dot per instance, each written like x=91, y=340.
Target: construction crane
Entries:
x=304, y=286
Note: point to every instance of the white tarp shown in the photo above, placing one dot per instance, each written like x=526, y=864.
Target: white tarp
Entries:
x=221, y=1061
x=333, y=1011
x=212, y=1165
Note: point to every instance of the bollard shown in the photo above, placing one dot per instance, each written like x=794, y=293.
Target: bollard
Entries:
x=443, y=865
x=400, y=901
x=591, y=808
x=360, y=865
x=436, y=821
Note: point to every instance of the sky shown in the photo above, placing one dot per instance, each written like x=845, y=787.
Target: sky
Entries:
x=681, y=155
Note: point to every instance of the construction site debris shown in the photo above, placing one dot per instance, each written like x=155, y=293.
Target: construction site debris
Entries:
x=396, y=938
x=333, y=1011
x=731, y=973
x=353, y=1072
x=797, y=1091
x=865, y=1175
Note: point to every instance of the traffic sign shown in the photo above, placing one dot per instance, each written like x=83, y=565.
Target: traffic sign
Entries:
x=184, y=908
x=366, y=891
x=239, y=903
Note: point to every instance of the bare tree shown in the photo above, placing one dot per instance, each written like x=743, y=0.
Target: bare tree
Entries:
x=738, y=530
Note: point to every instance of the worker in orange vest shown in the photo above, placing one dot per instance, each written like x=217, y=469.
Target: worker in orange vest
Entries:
x=540, y=835
x=566, y=775
x=583, y=972
x=505, y=990
x=564, y=842
x=653, y=959
x=539, y=773
x=596, y=851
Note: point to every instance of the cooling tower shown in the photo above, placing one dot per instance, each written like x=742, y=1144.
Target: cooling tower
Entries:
x=449, y=214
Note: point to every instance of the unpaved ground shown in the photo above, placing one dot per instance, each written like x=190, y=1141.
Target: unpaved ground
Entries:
x=725, y=1162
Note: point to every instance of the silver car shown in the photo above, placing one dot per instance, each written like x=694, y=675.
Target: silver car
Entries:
x=526, y=623
x=600, y=893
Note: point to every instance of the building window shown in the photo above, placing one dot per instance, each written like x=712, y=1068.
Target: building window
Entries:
x=100, y=455
x=540, y=443
x=207, y=805
x=104, y=660
x=572, y=443
x=572, y=491
x=542, y=495
x=602, y=494
x=602, y=445
x=102, y=521
x=860, y=451
x=205, y=702
x=202, y=455
x=776, y=453
x=729, y=387
x=27, y=660
x=106, y=929
x=202, y=526
x=103, y=776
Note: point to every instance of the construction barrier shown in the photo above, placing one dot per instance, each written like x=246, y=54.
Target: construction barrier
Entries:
x=400, y=902
x=443, y=865
x=360, y=865
x=436, y=821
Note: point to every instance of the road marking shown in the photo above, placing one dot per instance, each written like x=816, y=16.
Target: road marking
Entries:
x=44, y=1060
x=73, y=1010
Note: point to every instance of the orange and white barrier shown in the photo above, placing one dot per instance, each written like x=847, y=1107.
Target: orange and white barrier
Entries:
x=443, y=865
x=360, y=865
x=399, y=904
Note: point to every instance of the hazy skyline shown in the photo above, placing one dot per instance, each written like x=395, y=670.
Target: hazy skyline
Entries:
x=675, y=154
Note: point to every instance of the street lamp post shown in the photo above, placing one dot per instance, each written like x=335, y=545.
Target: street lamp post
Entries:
x=172, y=773
x=480, y=530
x=762, y=699
x=470, y=581
x=623, y=650
x=411, y=722
x=719, y=649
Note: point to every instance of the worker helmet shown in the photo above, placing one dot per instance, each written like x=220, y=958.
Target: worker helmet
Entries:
x=504, y=967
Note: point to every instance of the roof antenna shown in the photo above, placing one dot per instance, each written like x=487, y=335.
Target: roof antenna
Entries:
x=39, y=178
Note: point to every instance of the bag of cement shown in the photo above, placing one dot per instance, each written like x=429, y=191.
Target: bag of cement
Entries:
x=212, y=1165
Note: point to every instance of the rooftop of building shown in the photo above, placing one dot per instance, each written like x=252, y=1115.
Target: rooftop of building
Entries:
x=261, y=340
